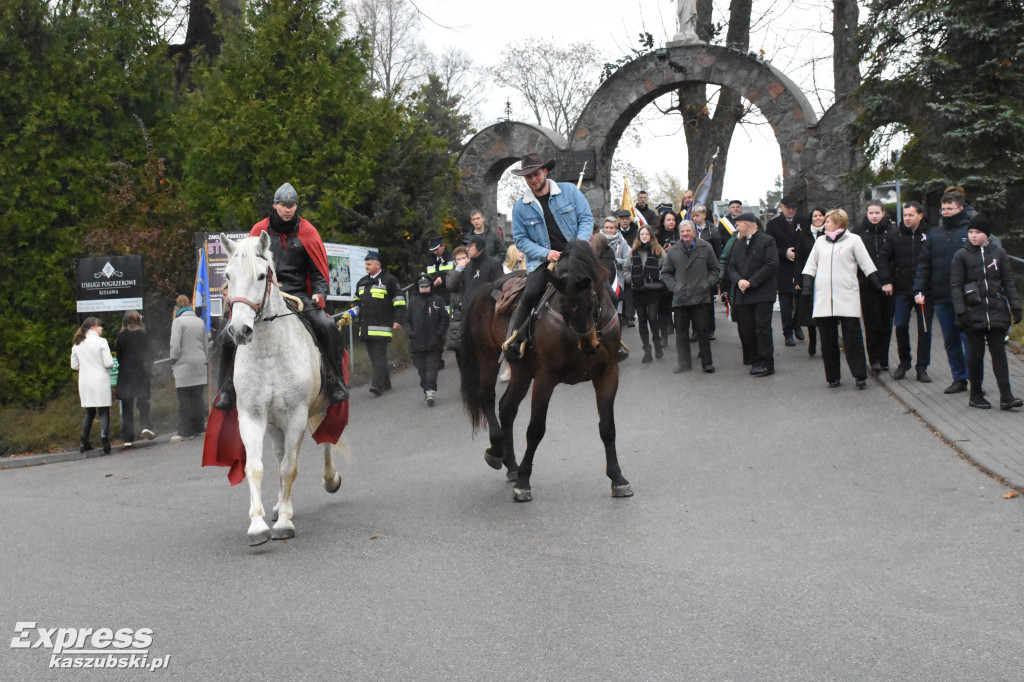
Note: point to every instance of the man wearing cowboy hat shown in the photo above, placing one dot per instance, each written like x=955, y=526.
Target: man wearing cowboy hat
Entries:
x=544, y=221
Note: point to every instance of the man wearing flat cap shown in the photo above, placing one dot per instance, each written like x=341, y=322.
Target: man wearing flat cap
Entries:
x=544, y=221
x=381, y=311
x=753, y=263
x=786, y=229
x=300, y=263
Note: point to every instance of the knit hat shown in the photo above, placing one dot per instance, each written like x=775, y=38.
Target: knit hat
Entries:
x=982, y=222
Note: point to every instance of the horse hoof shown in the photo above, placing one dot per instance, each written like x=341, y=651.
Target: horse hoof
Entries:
x=259, y=538
x=492, y=461
x=334, y=486
x=521, y=494
x=282, y=534
x=622, y=491
x=512, y=476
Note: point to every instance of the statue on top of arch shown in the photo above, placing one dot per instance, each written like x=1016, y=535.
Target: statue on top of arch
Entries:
x=686, y=24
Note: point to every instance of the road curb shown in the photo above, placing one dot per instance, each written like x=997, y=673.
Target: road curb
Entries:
x=19, y=461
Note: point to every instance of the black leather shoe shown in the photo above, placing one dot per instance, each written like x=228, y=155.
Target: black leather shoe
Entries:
x=225, y=398
x=922, y=376
x=375, y=392
x=958, y=386
x=680, y=370
x=711, y=336
x=979, y=402
x=337, y=393
x=885, y=366
x=790, y=341
x=799, y=334
x=763, y=372
x=901, y=370
x=834, y=384
x=710, y=369
x=862, y=383
x=630, y=323
x=106, y=446
x=659, y=353
x=1010, y=402
x=647, y=355
x=84, y=446
x=876, y=367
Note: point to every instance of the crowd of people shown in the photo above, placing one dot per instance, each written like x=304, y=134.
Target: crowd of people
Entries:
x=666, y=269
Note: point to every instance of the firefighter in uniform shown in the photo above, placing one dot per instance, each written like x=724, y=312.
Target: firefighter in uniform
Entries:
x=439, y=264
x=381, y=310
x=300, y=263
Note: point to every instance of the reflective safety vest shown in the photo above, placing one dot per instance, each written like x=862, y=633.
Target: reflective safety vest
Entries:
x=381, y=304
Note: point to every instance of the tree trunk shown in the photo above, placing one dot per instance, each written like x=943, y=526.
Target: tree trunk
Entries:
x=201, y=35
x=707, y=135
x=845, y=17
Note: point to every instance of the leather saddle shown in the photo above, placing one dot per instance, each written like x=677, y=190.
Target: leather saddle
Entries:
x=507, y=296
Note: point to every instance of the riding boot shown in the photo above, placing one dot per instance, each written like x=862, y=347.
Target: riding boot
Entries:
x=225, y=398
x=647, y=355
x=83, y=442
x=331, y=349
x=515, y=342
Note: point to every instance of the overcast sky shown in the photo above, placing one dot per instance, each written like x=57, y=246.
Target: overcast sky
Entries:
x=794, y=36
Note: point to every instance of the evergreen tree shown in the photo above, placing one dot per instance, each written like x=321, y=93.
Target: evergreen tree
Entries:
x=77, y=79
x=950, y=75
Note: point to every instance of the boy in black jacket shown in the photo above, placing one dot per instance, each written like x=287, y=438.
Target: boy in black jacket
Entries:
x=425, y=325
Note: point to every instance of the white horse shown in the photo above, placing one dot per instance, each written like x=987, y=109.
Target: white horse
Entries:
x=277, y=380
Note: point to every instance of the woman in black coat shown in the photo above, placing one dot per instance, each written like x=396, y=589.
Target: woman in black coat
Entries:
x=667, y=235
x=135, y=365
x=643, y=272
x=986, y=304
x=805, y=304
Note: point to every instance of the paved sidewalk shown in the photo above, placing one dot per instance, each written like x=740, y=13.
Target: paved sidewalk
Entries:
x=992, y=439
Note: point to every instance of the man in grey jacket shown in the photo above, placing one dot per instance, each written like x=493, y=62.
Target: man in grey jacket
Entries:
x=690, y=271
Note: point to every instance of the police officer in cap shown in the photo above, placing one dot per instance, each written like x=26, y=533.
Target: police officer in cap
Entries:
x=300, y=261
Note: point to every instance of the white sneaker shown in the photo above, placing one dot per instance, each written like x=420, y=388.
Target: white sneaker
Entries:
x=128, y=444
x=428, y=398
x=506, y=375
x=177, y=439
x=147, y=434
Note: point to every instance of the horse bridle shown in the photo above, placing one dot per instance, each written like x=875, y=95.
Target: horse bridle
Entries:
x=257, y=307
x=595, y=316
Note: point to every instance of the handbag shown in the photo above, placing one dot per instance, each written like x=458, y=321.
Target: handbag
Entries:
x=972, y=293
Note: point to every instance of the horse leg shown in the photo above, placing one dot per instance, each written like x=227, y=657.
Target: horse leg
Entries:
x=488, y=381
x=508, y=408
x=543, y=386
x=606, y=386
x=332, y=479
x=284, y=528
x=277, y=440
x=252, y=432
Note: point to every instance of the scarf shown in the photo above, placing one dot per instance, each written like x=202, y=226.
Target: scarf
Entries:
x=834, y=235
x=182, y=311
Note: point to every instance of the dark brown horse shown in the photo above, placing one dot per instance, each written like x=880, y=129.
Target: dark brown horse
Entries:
x=576, y=338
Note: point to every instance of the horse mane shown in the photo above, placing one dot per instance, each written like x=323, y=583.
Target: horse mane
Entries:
x=582, y=263
x=245, y=251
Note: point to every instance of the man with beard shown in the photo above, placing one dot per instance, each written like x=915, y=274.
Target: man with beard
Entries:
x=876, y=306
x=300, y=262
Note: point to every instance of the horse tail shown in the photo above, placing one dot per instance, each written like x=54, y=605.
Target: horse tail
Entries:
x=470, y=361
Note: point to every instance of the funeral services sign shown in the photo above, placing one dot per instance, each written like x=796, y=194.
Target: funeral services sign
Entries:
x=109, y=283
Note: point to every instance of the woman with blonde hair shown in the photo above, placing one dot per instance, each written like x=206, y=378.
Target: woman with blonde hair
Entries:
x=90, y=355
x=514, y=260
x=830, y=277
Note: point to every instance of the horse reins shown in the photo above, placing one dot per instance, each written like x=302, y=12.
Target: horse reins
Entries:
x=258, y=307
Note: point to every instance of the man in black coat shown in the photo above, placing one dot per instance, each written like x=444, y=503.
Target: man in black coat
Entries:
x=753, y=264
x=876, y=306
x=426, y=322
x=897, y=265
x=481, y=269
x=786, y=229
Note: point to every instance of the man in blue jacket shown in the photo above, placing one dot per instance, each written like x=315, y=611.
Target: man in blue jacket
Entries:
x=932, y=282
x=544, y=221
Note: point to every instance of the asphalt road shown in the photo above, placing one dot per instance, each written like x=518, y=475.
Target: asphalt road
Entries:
x=780, y=530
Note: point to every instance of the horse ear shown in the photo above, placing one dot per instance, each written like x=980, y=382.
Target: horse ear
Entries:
x=225, y=241
x=264, y=243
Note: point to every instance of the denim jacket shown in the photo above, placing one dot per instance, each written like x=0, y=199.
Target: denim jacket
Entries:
x=571, y=212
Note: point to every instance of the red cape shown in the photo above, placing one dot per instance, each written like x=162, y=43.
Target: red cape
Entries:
x=311, y=241
x=223, y=445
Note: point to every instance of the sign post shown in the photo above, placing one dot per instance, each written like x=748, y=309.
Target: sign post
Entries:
x=108, y=283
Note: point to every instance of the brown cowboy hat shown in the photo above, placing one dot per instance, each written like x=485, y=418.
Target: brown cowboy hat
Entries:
x=532, y=162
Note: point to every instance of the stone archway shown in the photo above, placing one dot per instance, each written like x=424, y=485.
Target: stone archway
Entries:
x=810, y=169
x=488, y=153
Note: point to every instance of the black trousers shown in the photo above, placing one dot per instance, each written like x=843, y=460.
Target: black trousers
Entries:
x=647, y=317
x=427, y=363
x=877, y=309
x=628, y=307
x=996, y=341
x=191, y=410
x=128, y=417
x=378, y=352
x=90, y=415
x=697, y=315
x=754, y=324
x=853, y=343
x=786, y=310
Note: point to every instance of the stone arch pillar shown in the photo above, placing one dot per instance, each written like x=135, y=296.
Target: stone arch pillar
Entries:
x=621, y=98
x=488, y=153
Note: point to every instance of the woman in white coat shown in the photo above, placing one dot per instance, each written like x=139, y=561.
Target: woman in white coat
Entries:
x=90, y=355
x=830, y=276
